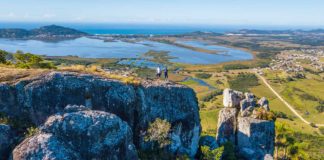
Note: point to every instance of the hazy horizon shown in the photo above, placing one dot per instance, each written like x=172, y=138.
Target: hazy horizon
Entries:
x=177, y=12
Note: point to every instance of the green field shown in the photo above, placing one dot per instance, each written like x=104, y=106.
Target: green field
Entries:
x=209, y=110
x=303, y=94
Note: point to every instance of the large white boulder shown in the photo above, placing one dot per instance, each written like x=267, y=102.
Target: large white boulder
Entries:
x=231, y=98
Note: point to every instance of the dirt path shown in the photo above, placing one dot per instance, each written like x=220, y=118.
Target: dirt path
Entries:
x=285, y=102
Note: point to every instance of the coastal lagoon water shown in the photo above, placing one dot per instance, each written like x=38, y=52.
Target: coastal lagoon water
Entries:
x=95, y=48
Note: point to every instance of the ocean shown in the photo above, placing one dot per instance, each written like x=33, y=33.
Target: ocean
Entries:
x=147, y=29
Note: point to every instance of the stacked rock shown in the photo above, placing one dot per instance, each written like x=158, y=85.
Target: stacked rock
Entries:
x=253, y=138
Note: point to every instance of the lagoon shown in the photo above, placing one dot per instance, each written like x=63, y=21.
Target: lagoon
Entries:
x=95, y=48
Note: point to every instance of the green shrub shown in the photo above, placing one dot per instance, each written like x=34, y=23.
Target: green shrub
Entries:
x=279, y=114
x=313, y=125
x=261, y=113
x=3, y=55
x=28, y=60
x=203, y=75
x=31, y=131
x=289, y=79
x=320, y=108
x=215, y=154
x=308, y=97
x=4, y=120
x=158, y=132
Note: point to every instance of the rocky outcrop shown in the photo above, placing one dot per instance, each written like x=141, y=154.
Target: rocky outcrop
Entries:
x=5, y=140
x=79, y=134
x=255, y=138
x=263, y=102
x=231, y=98
x=247, y=105
x=226, y=126
x=138, y=105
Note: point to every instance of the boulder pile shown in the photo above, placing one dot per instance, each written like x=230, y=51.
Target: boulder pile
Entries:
x=253, y=138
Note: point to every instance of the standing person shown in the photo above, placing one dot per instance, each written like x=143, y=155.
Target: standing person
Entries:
x=166, y=76
x=158, y=72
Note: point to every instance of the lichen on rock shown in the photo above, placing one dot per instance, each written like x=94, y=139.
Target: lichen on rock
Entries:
x=80, y=135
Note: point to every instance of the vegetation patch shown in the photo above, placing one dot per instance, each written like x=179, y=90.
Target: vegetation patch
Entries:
x=243, y=82
x=3, y=55
x=208, y=154
x=290, y=144
x=203, y=75
x=28, y=60
x=261, y=113
x=211, y=95
x=158, y=132
x=161, y=57
x=235, y=66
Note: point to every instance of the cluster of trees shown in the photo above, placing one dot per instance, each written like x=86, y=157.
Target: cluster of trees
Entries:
x=24, y=60
x=211, y=95
x=3, y=55
x=243, y=82
x=235, y=66
x=203, y=75
x=262, y=63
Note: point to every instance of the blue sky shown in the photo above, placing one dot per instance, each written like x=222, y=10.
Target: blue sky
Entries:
x=212, y=12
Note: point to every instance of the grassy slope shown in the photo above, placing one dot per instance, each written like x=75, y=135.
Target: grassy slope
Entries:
x=209, y=114
x=294, y=93
x=277, y=105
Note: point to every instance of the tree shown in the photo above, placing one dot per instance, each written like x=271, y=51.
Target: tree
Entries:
x=3, y=55
x=158, y=132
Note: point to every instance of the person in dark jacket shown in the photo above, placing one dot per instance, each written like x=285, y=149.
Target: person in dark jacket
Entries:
x=166, y=76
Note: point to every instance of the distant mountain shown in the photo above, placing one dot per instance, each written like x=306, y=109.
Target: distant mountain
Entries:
x=14, y=33
x=51, y=32
x=202, y=33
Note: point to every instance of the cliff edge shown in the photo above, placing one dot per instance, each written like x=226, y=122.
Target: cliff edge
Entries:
x=40, y=97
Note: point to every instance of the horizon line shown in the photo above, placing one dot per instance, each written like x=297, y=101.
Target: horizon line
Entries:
x=166, y=24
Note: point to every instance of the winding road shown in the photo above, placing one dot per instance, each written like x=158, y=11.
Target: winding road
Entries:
x=285, y=102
